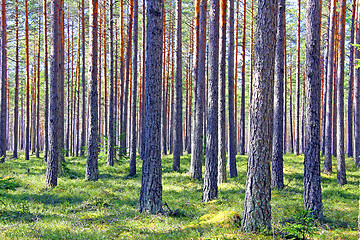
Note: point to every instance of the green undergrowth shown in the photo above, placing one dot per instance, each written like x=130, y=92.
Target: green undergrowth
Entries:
x=109, y=208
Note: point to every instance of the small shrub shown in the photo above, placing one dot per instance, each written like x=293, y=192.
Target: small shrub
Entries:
x=301, y=227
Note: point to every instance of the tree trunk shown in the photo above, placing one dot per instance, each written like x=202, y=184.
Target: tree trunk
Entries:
x=312, y=179
x=297, y=106
x=329, y=90
x=257, y=208
x=151, y=188
x=221, y=102
x=277, y=180
x=38, y=93
x=242, y=106
x=133, y=134
x=232, y=117
x=93, y=145
x=83, y=80
x=56, y=92
x=112, y=105
x=351, y=83
x=178, y=137
x=143, y=90
x=357, y=96
x=197, y=147
x=27, y=131
x=3, y=92
x=16, y=101
x=340, y=151
x=211, y=160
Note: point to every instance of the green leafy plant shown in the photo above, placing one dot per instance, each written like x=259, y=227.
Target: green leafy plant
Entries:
x=9, y=183
x=302, y=226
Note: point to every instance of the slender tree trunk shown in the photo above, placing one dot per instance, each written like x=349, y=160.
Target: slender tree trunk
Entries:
x=46, y=79
x=285, y=93
x=178, y=138
x=3, y=92
x=329, y=90
x=16, y=101
x=151, y=188
x=27, y=133
x=291, y=113
x=312, y=179
x=357, y=94
x=56, y=92
x=83, y=80
x=38, y=93
x=277, y=179
x=242, y=106
x=133, y=134
x=297, y=106
x=221, y=102
x=199, y=90
x=350, y=150
x=93, y=145
x=112, y=105
x=211, y=160
x=143, y=90
x=340, y=151
x=232, y=117
x=257, y=208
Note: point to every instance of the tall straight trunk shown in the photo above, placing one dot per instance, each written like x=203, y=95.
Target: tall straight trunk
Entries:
x=83, y=80
x=199, y=90
x=189, y=93
x=210, y=190
x=242, y=104
x=143, y=90
x=329, y=90
x=312, y=179
x=100, y=54
x=38, y=93
x=165, y=84
x=126, y=83
x=335, y=65
x=56, y=91
x=112, y=105
x=105, y=132
x=178, y=136
x=27, y=131
x=340, y=151
x=257, y=208
x=16, y=101
x=297, y=104
x=221, y=102
x=231, y=92
x=133, y=135
x=326, y=64
x=237, y=132
x=93, y=144
x=277, y=179
x=46, y=79
x=3, y=92
x=357, y=94
x=68, y=119
x=151, y=187
x=350, y=149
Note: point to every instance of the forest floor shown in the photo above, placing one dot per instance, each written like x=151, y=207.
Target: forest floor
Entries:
x=109, y=208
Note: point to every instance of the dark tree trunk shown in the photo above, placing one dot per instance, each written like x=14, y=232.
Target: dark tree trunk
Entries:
x=143, y=89
x=112, y=105
x=211, y=159
x=232, y=118
x=257, y=208
x=56, y=92
x=351, y=83
x=291, y=113
x=3, y=92
x=27, y=131
x=221, y=103
x=93, y=145
x=151, y=188
x=178, y=137
x=277, y=179
x=16, y=101
x=133, y=134
x=312, y=179
x=242, y=106
x=197, y=147
x=329, y=90
x=340, y=151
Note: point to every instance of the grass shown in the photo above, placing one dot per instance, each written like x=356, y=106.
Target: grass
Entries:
x=109, y=208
